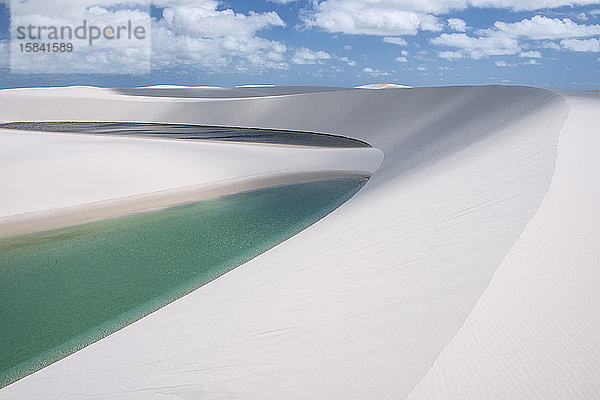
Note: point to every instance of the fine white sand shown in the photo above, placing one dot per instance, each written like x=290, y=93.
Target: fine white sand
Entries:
x=52, y=180
x=465, y=268
x=535, y=332
x=383, y=86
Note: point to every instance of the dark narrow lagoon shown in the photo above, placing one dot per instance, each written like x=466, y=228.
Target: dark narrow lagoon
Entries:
x=64, y=289
x=190, y=132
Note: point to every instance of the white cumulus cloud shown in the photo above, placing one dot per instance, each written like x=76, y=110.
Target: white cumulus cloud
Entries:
x=450, y=55
x=99, y=55
x=540, y=27
x=478, y=47
x=407, y=17
x=528, y=5
x=550, y=45
x=201, y=35
x=395, y=40
x=375, y=73
x=304, y=56
x=207, y=22
x=502, y=63
x=585, y=45
x=348, y=61
x=457, y=24
x=508, y=38
x=530, y=54
x=376, y=17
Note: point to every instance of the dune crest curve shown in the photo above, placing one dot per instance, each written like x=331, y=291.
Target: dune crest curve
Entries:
x=361, y=304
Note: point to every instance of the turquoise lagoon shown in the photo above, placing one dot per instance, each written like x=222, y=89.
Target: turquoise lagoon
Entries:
x=65, y=289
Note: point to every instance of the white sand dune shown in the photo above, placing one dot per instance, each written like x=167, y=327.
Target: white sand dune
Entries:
x=535, y=332
x=182, y=87
x=383, y=86
x=52, y=180
x=255, y=85
x=466, y=268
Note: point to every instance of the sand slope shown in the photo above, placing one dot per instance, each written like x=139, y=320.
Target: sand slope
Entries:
x=535, y=332
x=51, y=180
x=363, y=303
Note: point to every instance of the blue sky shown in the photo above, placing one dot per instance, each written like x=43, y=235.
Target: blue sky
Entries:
x=551, y=43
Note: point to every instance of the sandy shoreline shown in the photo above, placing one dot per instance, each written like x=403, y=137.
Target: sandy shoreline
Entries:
x=98, y=175
x=39, y=221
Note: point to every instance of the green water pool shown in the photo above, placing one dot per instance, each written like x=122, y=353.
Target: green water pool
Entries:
x=64, y=289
